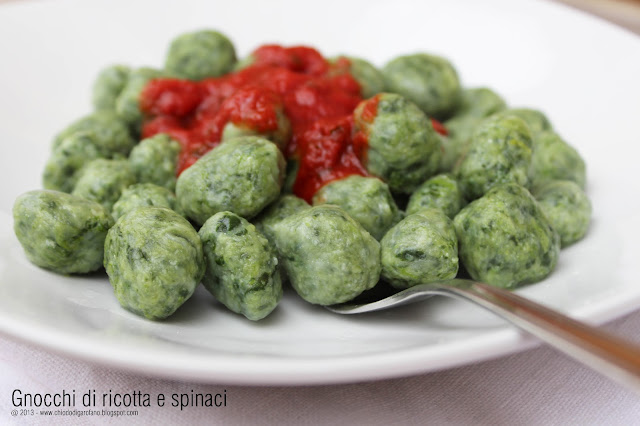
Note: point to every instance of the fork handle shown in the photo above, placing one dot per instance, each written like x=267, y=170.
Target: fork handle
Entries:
x=611, y=356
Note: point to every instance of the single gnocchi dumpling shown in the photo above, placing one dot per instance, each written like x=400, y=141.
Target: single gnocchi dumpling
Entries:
x=555, y=159
x=441, y=192
x=429, y=81
x=154, y=260
x=422, y=248
x=242, y=175
x=155, y=160
x=61, y=232
x=329, y=258
x=403, y=149
x=505, y=239
x=567, y=207
x=199, y=55
x=242, y=266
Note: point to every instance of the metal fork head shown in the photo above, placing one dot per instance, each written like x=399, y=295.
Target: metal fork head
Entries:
x=409, y=295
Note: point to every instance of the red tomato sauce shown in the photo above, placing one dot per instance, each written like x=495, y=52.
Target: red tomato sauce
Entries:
x=317, y=97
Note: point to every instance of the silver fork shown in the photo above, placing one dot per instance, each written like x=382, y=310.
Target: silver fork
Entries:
x=609, y=355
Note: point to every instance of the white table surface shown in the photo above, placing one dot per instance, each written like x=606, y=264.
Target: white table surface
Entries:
x=535, y=387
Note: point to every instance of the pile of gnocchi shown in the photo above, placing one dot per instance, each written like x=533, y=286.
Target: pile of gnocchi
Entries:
x=441, y=181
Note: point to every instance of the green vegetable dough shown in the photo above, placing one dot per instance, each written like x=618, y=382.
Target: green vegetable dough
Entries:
x=61, y=170
x=111, y=134
x=242, y=175
x=431, y=82
x=475, y=105
x=441, y=192
x=479, y=102
x=536, y=120
x=329, y=258
x=154, y=260
x=460, y=130
x=505, y=239
x=283, y=207
x=403, y=149
x=422, y=248
x=554, y=159
x=242, y=267
x=144, y=195
x=199, y=55
x=367, y=200
x=500, y=152
x=368, y=76
x=128, y=103
x=567, y=207
x=103, y=181
x=61, y=232
x=108, y=85
x=154, y=160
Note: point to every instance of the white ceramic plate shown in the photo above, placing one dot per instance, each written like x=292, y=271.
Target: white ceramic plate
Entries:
x=582, y=72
